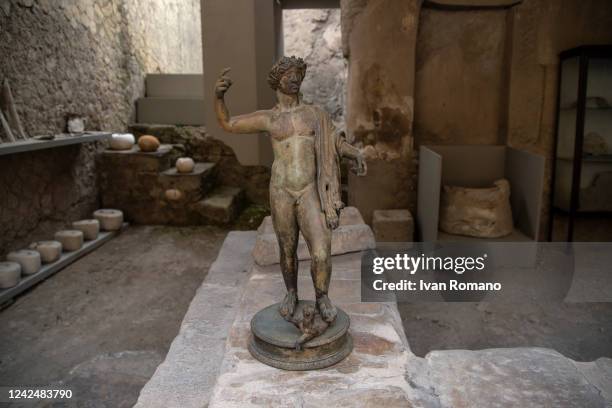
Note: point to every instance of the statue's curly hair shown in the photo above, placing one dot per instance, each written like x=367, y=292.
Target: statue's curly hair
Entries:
x=282, y=66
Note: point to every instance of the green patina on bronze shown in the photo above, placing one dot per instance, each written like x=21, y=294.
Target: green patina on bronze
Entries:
x=273, y=339
x=304, y=184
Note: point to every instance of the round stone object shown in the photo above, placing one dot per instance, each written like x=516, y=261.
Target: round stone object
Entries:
x=148, y=143
x=50, y=251
x=28, y=259
x=184, y=165
x=110, y=220
x=273, y=341
x=122, y=141
x=10, y=273
x=173, y=195
x=71, y=239
x=90, y=228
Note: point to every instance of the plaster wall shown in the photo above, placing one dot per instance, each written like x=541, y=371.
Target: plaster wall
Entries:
x=84, y=57
x=241, y=34
x=379, y=38
x=460, y=76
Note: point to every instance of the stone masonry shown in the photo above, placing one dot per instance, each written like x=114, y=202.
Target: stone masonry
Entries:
x=315, y=36
x=83, y=57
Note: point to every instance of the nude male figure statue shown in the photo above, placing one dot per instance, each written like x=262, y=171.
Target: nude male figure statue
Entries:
x=305, y=179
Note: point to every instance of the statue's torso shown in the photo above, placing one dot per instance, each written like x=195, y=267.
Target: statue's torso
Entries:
x=293, y=134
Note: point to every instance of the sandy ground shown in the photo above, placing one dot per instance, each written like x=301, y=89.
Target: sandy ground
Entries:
x=102, y=325
x=581, y=331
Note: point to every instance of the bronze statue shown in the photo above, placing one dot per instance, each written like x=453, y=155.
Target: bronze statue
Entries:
x=305, y=180
x=310, y=323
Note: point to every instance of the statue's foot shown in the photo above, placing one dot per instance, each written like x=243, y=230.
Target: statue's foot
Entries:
x=288, y=304
x=327, y=310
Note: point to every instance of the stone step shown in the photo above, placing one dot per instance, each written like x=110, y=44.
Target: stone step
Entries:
x=171, y=111
x=175, y=85
x=222, y=206
x=197, y=183
x=165, y=133
x=135, y=159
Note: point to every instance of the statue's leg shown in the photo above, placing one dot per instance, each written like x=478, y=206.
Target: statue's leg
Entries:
x=283, y=209
x=318, y=237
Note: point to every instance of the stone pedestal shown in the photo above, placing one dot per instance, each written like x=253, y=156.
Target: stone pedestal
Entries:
x=351, y=236
x=389, y=184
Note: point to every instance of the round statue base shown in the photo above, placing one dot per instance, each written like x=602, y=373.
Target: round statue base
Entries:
x=273, y=341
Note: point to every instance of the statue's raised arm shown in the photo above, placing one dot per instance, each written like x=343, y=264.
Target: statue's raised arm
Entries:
x=250, y=123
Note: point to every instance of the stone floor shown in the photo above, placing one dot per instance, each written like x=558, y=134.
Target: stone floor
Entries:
x=580, y=331
x=102, y=325
x=381, y=371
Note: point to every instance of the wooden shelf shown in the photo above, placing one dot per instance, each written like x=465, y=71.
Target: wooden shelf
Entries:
x=60, y=140
x=66, y=259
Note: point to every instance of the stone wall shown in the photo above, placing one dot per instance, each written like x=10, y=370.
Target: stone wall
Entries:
x=315, y=36
x=84, y=57
x=461, y=75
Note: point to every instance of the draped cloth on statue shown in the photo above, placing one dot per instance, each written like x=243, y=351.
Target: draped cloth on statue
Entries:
x=327, y=149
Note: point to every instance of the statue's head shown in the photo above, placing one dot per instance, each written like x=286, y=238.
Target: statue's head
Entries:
x=308, y=312
x=287, y=75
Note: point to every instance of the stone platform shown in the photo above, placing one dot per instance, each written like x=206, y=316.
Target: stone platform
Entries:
x=209, y=365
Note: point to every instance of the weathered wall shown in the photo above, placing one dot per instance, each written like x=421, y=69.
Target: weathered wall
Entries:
x=379, y=37
x=483, y=76
x=86, y=57
x=315, y=36
x=460, y=76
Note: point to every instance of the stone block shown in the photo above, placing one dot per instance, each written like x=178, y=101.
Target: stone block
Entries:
x=135, y=159
x=388, y=184
x=393, y=226
x=352, y=235
x=201, y=179
x=222, y=206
